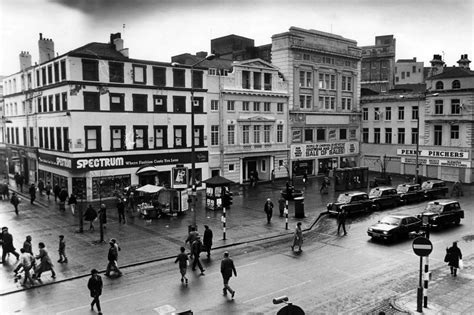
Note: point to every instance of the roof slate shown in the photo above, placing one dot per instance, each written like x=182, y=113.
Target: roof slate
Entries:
x=453, y=72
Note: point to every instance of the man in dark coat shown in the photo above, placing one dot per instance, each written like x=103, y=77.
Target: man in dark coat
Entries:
x=103, y=215
x=196, y=248
x=112, y=258
x=341, y=221
x=21, y=180
x=41, y=187
x=62, y=199
x=32, y=192
x=227, y=268
x=56, y=191
x=207, y=240
x=454, y=255
x=6, y=239
x=90, y=216
x=14, y=200
x=121, y=210
x=268, y=208
x=95, y=286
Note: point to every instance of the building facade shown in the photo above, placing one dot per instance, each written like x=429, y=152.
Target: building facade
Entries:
x=409, y=71
x=378, y=64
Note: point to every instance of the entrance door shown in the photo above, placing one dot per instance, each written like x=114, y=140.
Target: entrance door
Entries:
x=251, y=168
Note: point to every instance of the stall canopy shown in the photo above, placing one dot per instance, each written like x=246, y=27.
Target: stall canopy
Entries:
x=150, y=189
x=218, y=181
x=147, y=169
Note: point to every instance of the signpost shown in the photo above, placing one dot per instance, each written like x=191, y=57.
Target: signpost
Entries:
x=422, y=247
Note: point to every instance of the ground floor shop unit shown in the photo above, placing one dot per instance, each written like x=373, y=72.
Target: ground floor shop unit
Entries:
x=22, y=161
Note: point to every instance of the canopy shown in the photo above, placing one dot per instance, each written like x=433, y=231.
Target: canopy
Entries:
x=218, y=181
x=150, y=189
x=147, y=169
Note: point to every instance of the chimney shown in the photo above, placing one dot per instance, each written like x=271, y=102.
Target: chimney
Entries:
x=437, y=65
x=117, y=41
x=25, y=60
x=464, y=62
x=46, y=49
x=201, y=54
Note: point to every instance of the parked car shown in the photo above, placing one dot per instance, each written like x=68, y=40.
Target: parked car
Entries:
x=410, y=193
x=384, y=197
x=433, y=189
x=352, y=202
x=443, y=212
x=394, y=227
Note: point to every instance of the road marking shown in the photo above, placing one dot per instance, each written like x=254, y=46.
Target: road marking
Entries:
x=274, y=292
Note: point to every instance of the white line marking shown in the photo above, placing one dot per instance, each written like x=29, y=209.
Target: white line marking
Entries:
x=273, y=293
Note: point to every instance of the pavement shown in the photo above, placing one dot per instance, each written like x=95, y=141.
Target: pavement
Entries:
x=142, y=242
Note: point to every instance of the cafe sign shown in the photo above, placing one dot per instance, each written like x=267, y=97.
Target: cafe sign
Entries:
x=324, y=149
x=443, y=154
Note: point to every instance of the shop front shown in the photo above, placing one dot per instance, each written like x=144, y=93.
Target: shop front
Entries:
x=23, y=161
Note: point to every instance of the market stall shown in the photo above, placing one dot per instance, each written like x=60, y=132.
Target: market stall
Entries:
x=154, y=201
x=218, y=193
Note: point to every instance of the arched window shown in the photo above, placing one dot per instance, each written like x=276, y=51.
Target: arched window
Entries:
x=439, y=85
x=456, y=84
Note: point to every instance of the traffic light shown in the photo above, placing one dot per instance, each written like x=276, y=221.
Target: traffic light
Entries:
x=227, y=199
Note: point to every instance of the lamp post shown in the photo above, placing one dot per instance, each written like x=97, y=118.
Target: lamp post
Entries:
x=193, y=145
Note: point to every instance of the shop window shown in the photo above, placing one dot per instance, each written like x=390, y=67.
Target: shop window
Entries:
x=117, y=138
x=116, y=72
x=140, y=137
x=161, y=137
x=90, y=70
x=159, y=76
x=108, y=186
x=93, y=138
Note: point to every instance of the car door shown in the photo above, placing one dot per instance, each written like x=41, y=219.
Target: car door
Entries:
x=412, y=224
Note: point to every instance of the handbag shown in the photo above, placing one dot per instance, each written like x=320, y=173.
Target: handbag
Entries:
x=446, y=257
x=461, y=264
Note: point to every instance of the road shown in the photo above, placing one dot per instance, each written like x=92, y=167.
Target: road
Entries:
x=334, y=274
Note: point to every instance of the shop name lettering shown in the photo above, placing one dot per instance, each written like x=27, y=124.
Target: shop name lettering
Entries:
x=325, y=149
x=155, y=161
x=430, y=153
x=100, y=162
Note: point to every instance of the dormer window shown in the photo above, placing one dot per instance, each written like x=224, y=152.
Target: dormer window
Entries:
x=439, y=85
x=456, y=84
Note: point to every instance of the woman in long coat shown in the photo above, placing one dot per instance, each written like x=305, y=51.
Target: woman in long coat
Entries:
x=454, y=255
x=45, y=262
x=90, y=216
x=297, y=237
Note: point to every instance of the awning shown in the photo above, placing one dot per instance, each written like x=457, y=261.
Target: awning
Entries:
x=150, y=189
x=147, y=169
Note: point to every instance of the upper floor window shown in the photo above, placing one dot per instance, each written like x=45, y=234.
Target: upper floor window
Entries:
x=320, y=134
x=230, y=134
x=214, y=105
x=140, y=103
x=346, y=83
x=139, y=74
x=256, y=106
x=266, y=133
x=327, y=81
x=246, y=79
x=161, y=137
x=198, y=136
x=456, y=84
x=179, y=78
x=246, y=134
x=257, y=81
x=245, y=106
x=159, y=103
x=93, y=138
x=56, y=72
x=455, y=107
x=230, y=106
x=306, y=101
x=116, y=72
x=179, y=136
x=63, y=69
x=454, y=131
x=365, y=135
x=401, y=136
x=90, y=70
x=327, y=102
x=342, y=134
x=256, y=134
x=377, y=135
x=159, y=76
x=306, y=79
x=267, y=81
x=438, y=135
x=438, y=107
x=179, y=104
x=140, y=137
x=279, y=133
x=377, y=113
x=365, y=114
x=308, y=134
x=215, y=135
x=197, y=79
x=388, y=113
x=198, y=104
x=280, y=107
x=346, y=103
x=415, y=113
x=266, y=106
x=117, y=102
x=117, y=138
x=401, y=113
x=91, y=101
x=439, y=85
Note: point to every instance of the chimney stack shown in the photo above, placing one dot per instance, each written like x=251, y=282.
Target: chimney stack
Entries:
x=464, y=62
x=25, y=60
x=437, y=65
x=46, y=49
x=117, y=41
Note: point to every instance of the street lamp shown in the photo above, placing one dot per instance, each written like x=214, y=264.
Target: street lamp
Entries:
x=193, y=145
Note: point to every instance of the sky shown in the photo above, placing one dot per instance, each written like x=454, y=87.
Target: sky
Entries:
x=158, y=29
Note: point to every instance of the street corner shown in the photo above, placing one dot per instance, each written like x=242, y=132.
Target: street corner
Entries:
x=407, y=303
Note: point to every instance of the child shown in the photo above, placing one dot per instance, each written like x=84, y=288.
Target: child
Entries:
x=182, y=258
x=62, y=250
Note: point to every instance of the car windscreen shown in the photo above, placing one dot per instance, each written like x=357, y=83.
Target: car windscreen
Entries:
x=432, y=207
x=426, y=185
x=375, y=193
x=343, y=198
x=402, y=189
x=390, y=221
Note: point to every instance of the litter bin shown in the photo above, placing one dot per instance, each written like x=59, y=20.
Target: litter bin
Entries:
x=299, y=207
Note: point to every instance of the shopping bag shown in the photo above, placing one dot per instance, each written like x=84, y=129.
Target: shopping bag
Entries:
x=461, y=264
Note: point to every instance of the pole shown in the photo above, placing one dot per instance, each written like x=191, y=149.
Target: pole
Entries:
x=81, y=218
x=223, y=223
x=426, y=278
x=417, y=171
x=419, y=295
x=286, y=215
x=193, y=150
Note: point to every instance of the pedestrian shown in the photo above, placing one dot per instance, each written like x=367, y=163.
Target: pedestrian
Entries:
x=21, y=180
x=5, y=194
x=324, y=185
x=196, y=248
x=27, y=246
x=112, y=257
x=273, y=175
x=62, y=250
x=227, y=268
x=103, y=215
x=297, y=238
x=6, y=239
x=121, y=210
x=41, y=187
x=207, y=240
x=56, y=191
x=48, y=189
x=305, y=178
x=192, y=236
x=268, y=208
x=15, y=201
x=26, y=262
x=182, y=258
x=90, y=216
x=341, y=221
x=453, y=256
x=32, y=192
x=72, y=203
x=62, y=199
x=281, y=206
x=45, y=262
x=95, y=286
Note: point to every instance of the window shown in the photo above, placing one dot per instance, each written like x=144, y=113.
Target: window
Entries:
x=439, y=85
x=256, y=134
x=327, y=81
x=50, y=103
x=91, y=101
x=346, y=83
x=117, y=102
x=306, y=101
x=179, y=104
x=256, y=106
x=306, y=57
x=159, y=103
x=93, y=138
x=140, y=103
x=159, y=76
x=327, y=102
x=408, y=74
x=455, y=107
x=401, y=135
x=198, y=136
x=279, y=133
x=308, y=134
x=414, y=135
x=179, y=78
x=246, y=134
x=388, y=135
x=43, y=75
x=197, y=79
x=415, y=113
x=245, y=106
x=161, y=137
x=456, y=84
x=179, y=136
x=320, y=134
x=246, y=79
x=59, y=142
x=280, y=107
x=66, y=139
x=376, y=135
x=438, y=107
x=117, y=138
x=438, y=135
x=401, y=113
x=230, y=106
x=24, y=136
x=388, y=113
x=139, y=74
x=377, y=113
x=38, y=78
x=215, y=135
x=46, y=137
x=267, y=81
x=365, y=114
x=257, y=81
x=140, y=137
x=90, y=70
x=346, y=103
x=116, y=72
x=454, y=131
x=56, y=72
x=403, y=75
x=305, y=79
x=32, y=137
x=365, y=135
x=231, y=167
x=198, y=104
x=214, y=105
x=57, y=102
x=64, y=100
x=63, y=69
x=40, y=133
x=266, y=106
x=50, y=74
x=230, y=134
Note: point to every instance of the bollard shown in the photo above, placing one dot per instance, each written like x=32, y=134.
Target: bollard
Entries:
x=286, y=215
x=223, y=222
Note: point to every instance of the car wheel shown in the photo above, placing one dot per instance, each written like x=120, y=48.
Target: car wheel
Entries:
x=457, y=221
x=376, y=207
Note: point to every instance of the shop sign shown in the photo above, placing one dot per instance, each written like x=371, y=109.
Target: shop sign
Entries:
x=54, y=160
x=449, y=163
x=324, y=149
x=435, y=153
x=180, y=179
x=296, y=135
